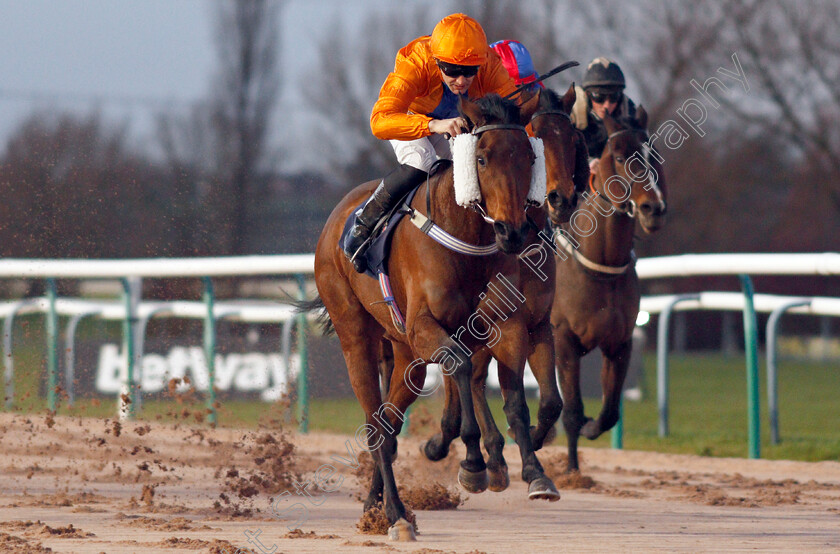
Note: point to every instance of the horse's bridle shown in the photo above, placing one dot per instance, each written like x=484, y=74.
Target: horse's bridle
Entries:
x=554, y=111
x=631, y=212
x=476, y=206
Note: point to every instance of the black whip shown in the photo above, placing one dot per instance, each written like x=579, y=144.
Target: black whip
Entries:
x=553, y=72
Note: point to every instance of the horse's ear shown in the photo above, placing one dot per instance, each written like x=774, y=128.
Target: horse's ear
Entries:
x=528, y=107
x=610, y=124
x=642, y=117
x=569, y=99
x=470, y=110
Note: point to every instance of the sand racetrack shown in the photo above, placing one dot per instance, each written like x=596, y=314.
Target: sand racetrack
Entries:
x=90, y=485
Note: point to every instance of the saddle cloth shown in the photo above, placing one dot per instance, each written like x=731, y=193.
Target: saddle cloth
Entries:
x=376, y=256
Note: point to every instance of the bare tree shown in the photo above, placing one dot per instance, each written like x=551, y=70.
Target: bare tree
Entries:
x=194, y=171
x=345, y=88
x=74, y=189
x=794, y=55
x=244, y=96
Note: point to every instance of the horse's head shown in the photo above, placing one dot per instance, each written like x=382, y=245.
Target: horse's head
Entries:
x=503, y=158
x=567, y=169
x=630, y=172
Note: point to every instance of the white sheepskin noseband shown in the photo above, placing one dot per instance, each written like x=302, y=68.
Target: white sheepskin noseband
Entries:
x=465, y=171
x=536, y=195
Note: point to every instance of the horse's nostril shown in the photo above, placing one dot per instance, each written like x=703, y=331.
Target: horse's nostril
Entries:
x=501, y=229
x=553, y=197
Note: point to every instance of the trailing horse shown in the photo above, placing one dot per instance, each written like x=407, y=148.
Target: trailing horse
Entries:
x=441, y=295
x=597, y=295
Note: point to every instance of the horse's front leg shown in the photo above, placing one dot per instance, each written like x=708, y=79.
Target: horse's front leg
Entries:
x=567, y=355
x=494, y=442
x=510, y=351
x=437, y=447
x=613, y=372
x=541, y=361
x=431, y=343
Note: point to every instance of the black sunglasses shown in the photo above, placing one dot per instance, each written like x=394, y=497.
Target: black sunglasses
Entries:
x=601, y=97
x=454, y=71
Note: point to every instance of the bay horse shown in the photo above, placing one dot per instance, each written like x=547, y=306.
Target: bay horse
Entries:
x=567, y=175
x=440, y=293
x=597, y=289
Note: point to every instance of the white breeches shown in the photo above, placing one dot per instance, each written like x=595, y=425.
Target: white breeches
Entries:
x=421, y=153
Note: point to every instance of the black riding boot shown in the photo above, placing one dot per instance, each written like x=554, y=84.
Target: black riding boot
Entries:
x=393, y=187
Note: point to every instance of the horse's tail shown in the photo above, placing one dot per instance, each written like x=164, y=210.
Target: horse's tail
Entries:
x=316, y=304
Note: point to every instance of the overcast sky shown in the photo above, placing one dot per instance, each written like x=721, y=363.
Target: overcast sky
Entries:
x=129, y=58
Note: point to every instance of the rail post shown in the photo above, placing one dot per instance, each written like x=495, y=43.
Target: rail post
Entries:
x=662, y=376
x=617, y=435
x=70, y=353
x=210, y=349
x=303, y=372
x=52, y=346
x=131, y=297
x=772, y=374
x=751, y=349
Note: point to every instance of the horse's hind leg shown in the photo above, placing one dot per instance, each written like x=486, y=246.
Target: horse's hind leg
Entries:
x=568, y=366
x=613, y=372
x=541, y=361
x=360, y=337
x=494, y=442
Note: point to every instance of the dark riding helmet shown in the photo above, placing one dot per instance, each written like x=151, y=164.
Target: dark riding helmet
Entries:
x=602, y=72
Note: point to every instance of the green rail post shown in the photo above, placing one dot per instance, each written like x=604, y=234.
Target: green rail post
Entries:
x=303, y=372
x=52, y=346
x=210, y=349
x=125, y=408
x=406, y=422
x=617, y=436
x=751, y=349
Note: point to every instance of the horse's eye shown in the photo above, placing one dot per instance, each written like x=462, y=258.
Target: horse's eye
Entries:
x=619, y=159
x=481, y=161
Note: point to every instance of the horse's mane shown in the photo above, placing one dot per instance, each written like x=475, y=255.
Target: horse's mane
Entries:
x=550, y=100
x=495, y=108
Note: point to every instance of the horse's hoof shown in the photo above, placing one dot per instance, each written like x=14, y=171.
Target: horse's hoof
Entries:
x=499, y=479
x=402, y=531
x=591, y=430
x=474, y=482
x=542, y=488
x=431, y=455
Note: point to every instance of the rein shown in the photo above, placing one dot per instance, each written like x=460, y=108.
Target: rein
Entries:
x=498, y=126
x=541, y=113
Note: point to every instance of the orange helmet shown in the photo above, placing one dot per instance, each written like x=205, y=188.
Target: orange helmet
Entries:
x=460, y=40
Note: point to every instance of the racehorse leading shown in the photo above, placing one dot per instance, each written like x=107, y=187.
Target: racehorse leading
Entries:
x=567, y=172
x=440, y=293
